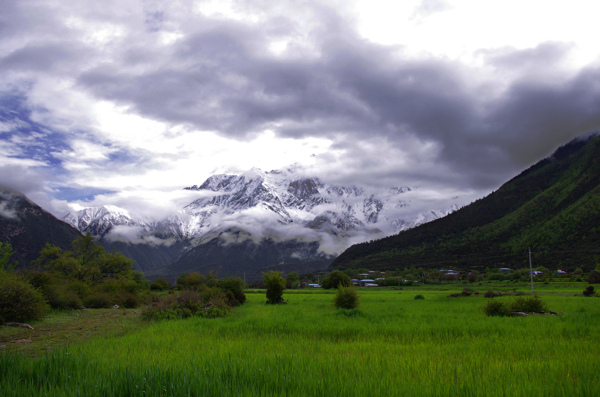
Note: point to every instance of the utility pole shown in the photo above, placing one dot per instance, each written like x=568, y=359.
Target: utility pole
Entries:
x=530, y=271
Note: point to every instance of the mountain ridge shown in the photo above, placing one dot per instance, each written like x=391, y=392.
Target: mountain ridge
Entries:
x=282, y=207
x=552, y=207
x=28, y=227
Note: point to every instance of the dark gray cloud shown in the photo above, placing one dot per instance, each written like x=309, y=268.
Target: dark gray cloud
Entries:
x=394, y=116
x=224, y=79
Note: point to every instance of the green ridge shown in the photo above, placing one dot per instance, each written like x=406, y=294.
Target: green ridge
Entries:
x=552, y=207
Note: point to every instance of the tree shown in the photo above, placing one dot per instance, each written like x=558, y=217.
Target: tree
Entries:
x=291, y=279
x=160, y=284
x=346, y=298
x=234, y=289
x=335, y=279
x=275, y=287
x=86, y=275
x=87, y=261
x=6, y=252
x=594, y=277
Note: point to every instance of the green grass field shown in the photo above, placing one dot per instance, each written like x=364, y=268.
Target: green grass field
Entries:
x=393, y=345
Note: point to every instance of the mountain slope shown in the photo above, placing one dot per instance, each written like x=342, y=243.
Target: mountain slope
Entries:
x=225, y=258
x=27, y=227
x=553, y=207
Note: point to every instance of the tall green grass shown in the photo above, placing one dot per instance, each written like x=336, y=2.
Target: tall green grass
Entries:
x=396, y=346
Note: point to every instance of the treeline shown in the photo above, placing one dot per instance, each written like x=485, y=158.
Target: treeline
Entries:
x=86, y=276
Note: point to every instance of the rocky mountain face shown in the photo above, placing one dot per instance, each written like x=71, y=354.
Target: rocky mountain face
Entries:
x=28, y=228
x=253, y=221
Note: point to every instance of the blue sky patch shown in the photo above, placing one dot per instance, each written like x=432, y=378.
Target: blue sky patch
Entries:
x=84, y=194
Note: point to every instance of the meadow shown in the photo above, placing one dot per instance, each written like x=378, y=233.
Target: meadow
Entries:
x=392, y=345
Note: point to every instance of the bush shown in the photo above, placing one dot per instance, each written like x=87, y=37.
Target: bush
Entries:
x=419, y=296
x=335, y=279
x=19, y=300
x=275, y=287
x=467, y=292
x=589, y=291
x=128, y=300
x=160, y=284
x=204, y=302
x=531, y=304
x=492, y=294
x=346, y=298
x=235, y=286
x=594, y=277
x=496, y=308
x=99, y=300
x=61, y=298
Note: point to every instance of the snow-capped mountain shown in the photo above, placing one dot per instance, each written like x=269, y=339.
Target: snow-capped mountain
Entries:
x=281, y=206
x=100, y=220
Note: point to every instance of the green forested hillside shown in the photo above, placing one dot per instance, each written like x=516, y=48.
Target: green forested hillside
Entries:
x=553, y=207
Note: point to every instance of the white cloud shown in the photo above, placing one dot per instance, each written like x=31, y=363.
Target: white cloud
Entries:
x=462, y=27
x=152, y=97
x=6, y=212
x=135, y=235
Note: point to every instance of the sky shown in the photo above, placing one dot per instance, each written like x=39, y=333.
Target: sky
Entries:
x=126, y=102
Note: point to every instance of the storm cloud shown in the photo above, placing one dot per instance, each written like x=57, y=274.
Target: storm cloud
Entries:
x=297, y=71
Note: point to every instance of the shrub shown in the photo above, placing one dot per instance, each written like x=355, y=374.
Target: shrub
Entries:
x=594, y=277
x=19, y=300
x=160, y=284
x=531, y=304
x=235, y=286
x=128, y=300
x=496, y=308
x=492, y=294
x=79, y=287
x=419, y=296
x=588, y=291
x=61, y=298
x=467, y=292
x=99, y=300
x=275, y=287
x=335, y=279
x=346, y=298
x=205, y=302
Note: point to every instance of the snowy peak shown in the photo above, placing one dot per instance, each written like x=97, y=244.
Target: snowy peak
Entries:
x=282, y=205
x=100, y=220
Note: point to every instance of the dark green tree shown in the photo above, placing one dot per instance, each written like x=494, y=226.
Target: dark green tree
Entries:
x=291, y=280
x=86, y=275
x=234, y=289
x=6, y=251
x=335, y=279
x=160, y=284
x=346, y=298
x=275, y=287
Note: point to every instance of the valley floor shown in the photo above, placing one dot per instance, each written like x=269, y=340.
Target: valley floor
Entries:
x=392, y=345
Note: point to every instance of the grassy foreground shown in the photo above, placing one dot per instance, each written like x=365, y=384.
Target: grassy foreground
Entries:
x=393, y=345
